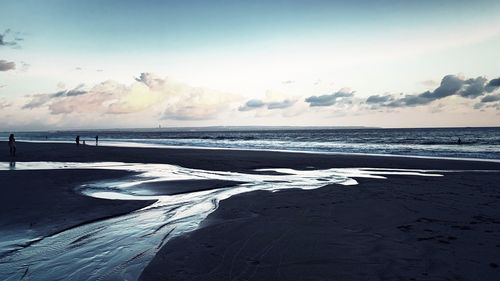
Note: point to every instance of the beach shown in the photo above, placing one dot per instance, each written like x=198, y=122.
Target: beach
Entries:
x=250, y=140
x=399, y=227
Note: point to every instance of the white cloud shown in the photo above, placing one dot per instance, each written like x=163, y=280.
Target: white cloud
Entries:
x=7, y=65
x=147, y=97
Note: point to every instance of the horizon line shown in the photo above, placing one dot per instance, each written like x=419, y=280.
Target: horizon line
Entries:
x=268, y=127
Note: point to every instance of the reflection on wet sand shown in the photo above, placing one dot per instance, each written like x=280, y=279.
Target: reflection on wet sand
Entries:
x=119, y=248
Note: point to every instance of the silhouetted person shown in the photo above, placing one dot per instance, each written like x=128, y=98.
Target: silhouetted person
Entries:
x=96, y=140
x=459, y=141
x=77, y=140
x=12, y=145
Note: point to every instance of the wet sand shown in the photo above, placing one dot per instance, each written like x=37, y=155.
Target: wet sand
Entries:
x=42, y=203
x=225, y=160
x=403, y=227
x=173, y=187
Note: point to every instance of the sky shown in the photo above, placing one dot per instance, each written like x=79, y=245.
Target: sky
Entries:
x=139, y=64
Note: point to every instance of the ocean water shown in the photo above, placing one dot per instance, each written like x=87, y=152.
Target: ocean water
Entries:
x=482, y=143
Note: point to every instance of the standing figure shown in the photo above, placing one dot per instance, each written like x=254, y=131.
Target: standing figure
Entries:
x=77, y=140
x=12, y=145
x=459, y=141
x=96, y=140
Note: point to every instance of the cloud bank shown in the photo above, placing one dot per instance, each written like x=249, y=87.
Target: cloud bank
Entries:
x=4, y=104
x=379, y=99
x=257, y=103
x=493, y=84
x=329, y=100
x=451, y=85
x=149, y=99
x=7, y=65
x=10, y=39
x=491, y=98
x=148, y=93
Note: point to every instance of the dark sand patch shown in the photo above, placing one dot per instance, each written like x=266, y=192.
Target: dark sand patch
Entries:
x=402, y=228
x=180, y=186
x=44, y=202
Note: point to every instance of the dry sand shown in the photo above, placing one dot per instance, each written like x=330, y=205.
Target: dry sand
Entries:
x=400, y=228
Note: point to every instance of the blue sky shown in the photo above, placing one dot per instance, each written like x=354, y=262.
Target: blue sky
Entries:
x=212, y=57
x=126, y=25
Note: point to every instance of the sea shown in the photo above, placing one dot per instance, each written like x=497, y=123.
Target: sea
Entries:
x=476, y=143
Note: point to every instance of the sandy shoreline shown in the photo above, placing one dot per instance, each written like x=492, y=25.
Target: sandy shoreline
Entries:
x=226, y=160
x=382, y=229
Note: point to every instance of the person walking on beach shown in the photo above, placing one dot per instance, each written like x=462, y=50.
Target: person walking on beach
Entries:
x=12, y=145
x=77, y=140
x=96, y=140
